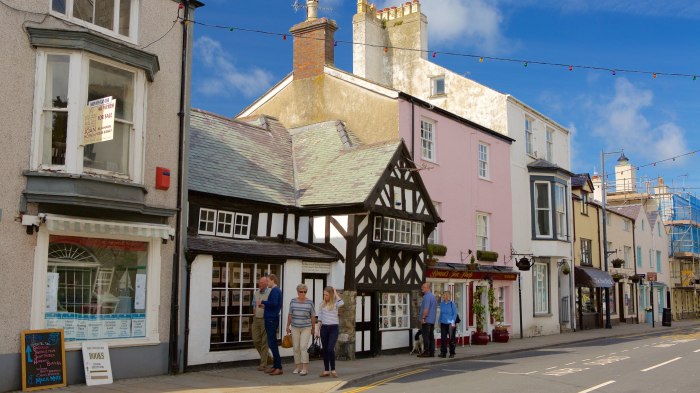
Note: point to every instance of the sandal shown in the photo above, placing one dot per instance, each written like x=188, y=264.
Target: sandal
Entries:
x=303, y=372
x=333, y=374
x=325, y=374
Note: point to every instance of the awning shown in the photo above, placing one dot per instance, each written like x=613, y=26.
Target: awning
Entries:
x=60, y=223
x=593, y=278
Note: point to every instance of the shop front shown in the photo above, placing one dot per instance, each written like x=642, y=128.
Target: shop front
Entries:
x=590, y=291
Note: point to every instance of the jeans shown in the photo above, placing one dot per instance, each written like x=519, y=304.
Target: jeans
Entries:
x=301, y=337
x=271, y=325
x=446, y=330
x=428, y=338
x=260, y=340
x=329, y=336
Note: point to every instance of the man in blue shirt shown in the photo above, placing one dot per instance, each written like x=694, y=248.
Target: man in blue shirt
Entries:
x=272, y=307
x=427, y=314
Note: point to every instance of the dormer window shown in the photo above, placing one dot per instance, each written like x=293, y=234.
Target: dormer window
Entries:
x=437, y=86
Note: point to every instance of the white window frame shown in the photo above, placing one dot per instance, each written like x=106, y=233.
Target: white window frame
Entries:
x=484, y=161
x=434, y=83
x=207, y=221
x=416, y=233
x=625, y=225
x=540, y=286
x=401, y=308
x=560, y=211
x=403, y=231
x=222, y=225
x=427, y=137
x=133, y=21
x=153, y=277
x=388, y=229
x=627, y=252
x=529, y=121
x=246, y=233
x=78, y=77
x=658, y=261
x=586, y=252
x=548, y=209
x=483, y=226
x=584, y=203
x=377, y=230
x=549, y=136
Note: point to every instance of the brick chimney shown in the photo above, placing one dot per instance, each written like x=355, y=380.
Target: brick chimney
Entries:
x=313, y=43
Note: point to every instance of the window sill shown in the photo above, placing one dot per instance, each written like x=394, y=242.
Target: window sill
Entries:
x=114, y=343
x=433, y=96
x=548, y=315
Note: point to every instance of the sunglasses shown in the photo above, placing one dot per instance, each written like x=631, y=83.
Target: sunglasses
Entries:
x=302, y=291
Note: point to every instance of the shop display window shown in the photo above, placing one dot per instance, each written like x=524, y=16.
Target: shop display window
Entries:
x=96, y=287
x=394, y=311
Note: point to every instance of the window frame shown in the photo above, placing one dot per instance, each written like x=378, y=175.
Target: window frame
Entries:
x=584, y=203
x=219, y=213
x=549, y=140
x=213, y=222
x=562, y=226
x=377, y=229
x=389, y=230
x=385, y=300
x=483, y=157
x=434, y=81
x=134, y=20
x=416, y=233
x=586, y=252
x=403, y=232
x=78, y=80
x=639, y=256
x=428, y=140
x=482, y=236
x=529, y=148
x=434, y=236
x=540, y=288
x=536, y=209
x=247, y=225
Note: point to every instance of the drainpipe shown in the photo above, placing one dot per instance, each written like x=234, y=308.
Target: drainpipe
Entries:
x=413, y=130
x=176, y=340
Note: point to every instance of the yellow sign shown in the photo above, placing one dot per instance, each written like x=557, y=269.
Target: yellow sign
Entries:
x=98, y=120
x=687, y=278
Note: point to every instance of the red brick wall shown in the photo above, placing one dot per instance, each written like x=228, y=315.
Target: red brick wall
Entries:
x=313, y=47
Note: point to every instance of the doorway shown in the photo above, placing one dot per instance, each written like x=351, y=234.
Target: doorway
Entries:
x=364, y=309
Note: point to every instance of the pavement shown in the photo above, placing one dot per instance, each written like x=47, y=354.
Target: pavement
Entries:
x=248, y=379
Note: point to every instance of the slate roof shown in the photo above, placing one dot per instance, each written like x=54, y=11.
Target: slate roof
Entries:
x=653, y=216
x=331, y=169
x=544, y=165
x=629, y=211
x=235, y=159
x=266, y=248
x=579, y=180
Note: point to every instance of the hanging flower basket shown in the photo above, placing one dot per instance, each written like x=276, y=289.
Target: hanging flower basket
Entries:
x=617, y=277
x=617, y=263
x=430, y=261
x=635, y=278
x=565, y=268
x=486, y=256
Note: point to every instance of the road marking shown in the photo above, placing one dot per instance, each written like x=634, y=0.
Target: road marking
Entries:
x=601, y=356
x=625, y=350
x=614, y=353
x=569, y=364
x=386, y=380
x=585, y=360
x=606, y=361
x=565, y=371
x=506, y=372
x=660, y=364
x=549, y=368
x=697, y=350
x=596, y=387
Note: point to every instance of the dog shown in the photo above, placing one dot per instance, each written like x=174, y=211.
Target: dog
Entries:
x=417, y=343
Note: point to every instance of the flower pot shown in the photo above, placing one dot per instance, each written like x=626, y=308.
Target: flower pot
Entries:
x=500, y=335
x=617, y=263
x=480, y=338
x=430, y=261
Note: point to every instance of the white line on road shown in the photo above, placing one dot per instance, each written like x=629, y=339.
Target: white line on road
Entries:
x=506, y=372
x=697, y=350
x=625, y=350
x=549, y=368
x=601, y=356
x=596, y=387
x=660, y=364
x=569, y=364
x=613, y=353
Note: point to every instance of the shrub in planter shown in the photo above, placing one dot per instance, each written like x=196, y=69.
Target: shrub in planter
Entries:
x=437, y=249
x=617, y=263
x=617, y=277
x=486, y=256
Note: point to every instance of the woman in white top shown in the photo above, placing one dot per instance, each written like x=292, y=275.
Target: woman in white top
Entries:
x=328, y=318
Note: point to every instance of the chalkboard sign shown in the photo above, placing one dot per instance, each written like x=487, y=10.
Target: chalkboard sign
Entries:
x=43, y=359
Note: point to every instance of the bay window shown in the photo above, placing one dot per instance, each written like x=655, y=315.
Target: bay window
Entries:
x=543, y=210
x=560, y=204
x=67, y=82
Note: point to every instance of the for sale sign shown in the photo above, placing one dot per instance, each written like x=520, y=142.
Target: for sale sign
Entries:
x=98, y=120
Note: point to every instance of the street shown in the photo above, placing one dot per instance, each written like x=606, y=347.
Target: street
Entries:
x=665, y=363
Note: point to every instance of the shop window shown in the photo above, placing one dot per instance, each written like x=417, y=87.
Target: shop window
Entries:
x=394, y=311
x=96, y=288
x=232, y=312
x=116, y=18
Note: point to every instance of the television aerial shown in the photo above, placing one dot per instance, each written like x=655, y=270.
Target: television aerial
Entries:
x=299, y=4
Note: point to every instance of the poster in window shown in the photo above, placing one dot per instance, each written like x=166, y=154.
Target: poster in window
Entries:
x=215, y=299
x=385, y=298
x=399, y=322
x=246, y=277
x=235, y=280
x=235, y=298
x=216, y=276
x=385, y=311
x=245, y=325
x=385, y=323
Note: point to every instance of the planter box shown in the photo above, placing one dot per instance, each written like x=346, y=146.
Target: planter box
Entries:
x=500, y=336
x=480, y=338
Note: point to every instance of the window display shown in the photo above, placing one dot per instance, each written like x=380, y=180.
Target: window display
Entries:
x=394, y=311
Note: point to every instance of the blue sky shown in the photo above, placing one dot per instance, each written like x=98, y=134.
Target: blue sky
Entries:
x=650, y=118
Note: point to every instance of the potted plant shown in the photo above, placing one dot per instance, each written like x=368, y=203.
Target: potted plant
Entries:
x=500, y=333
x=617, y=263
x=617, y=277
x=565, y=268
x=433, y=250
x=472, y=263
x=480, y=337
x=635, y=278
x=486, y=256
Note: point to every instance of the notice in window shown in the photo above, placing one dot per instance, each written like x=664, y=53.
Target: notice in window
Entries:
x=140, y=299
x=51, y=292
x=98, y=120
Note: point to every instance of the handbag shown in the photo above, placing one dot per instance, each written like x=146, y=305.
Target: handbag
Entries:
x=315, y=348
x=458, y=319
x=287, y=341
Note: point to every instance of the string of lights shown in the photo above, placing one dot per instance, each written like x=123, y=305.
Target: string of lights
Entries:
x=481, y=58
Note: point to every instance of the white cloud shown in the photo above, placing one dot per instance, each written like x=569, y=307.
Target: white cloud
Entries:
x=224, y=77
x=675, y=8
x=467, y=23
x=625, y=125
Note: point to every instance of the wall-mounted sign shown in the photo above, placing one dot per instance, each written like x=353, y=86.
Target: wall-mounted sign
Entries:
x=469, y=275
x=98, y=367
x=98, y=120
x=43, y=359
x=651, y=276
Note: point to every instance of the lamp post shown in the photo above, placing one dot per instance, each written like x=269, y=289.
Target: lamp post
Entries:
x=604, y=190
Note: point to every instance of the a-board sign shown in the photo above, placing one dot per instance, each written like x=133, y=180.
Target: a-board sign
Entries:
x=43, y=359
x=98, y=368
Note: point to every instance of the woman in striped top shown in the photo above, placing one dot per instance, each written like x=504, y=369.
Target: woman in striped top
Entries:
x=300, y=323
x=328, y=318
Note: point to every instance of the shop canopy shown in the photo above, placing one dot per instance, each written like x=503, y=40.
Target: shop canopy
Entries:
x=592, y=278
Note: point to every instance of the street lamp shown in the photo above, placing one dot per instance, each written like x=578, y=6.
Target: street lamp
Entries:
x=608, y=325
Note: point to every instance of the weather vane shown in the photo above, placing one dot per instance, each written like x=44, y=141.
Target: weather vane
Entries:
x=297, y=5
